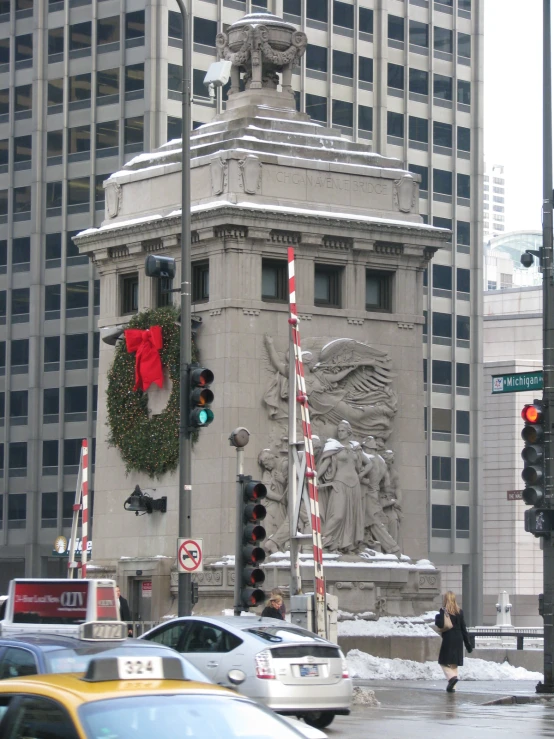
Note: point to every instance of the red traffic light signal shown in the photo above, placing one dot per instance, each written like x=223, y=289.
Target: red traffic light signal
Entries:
x=250, y=555
x=533, y=454
x=532, y=413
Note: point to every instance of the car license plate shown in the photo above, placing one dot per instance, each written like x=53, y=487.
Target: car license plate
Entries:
x=309, y=671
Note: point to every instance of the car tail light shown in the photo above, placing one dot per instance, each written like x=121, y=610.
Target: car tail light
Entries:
x=262, y=662
x=345, y=668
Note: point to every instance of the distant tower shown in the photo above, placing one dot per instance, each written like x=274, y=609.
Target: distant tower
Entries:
x=494, y=207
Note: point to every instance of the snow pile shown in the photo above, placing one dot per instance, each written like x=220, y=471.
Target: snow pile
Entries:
x=367, y=667
x=388, y=626
x=363, y=696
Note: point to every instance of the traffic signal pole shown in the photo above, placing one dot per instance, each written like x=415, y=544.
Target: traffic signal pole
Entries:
x=184, y=607
x=547, y=686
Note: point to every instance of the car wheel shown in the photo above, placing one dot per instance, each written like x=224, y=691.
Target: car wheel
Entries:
x=319, y=719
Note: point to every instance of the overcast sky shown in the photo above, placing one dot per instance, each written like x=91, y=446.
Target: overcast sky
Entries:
x=513, y=104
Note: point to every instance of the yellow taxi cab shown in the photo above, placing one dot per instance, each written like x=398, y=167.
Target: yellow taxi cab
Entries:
x=133, y=698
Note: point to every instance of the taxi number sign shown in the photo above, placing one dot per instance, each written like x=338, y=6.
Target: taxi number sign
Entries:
x=135, y=668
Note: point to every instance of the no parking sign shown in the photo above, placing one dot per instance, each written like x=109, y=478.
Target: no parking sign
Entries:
x=189, y=555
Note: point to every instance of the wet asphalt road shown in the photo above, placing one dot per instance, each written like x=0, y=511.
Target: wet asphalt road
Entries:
x=423, y=710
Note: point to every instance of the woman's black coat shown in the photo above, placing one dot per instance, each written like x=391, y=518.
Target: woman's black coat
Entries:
x=453, y=640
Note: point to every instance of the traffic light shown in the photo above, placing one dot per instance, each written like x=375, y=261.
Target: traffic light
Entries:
x=250, y=555
x=201, y=397
x=533, y=454
x=538, y=521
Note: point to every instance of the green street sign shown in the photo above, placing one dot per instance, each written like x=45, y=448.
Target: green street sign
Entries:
x=517, y=382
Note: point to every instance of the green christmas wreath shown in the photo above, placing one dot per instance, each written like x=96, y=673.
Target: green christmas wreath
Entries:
x=146, y=444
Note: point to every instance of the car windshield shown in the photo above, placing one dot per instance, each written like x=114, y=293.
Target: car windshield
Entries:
x=170, y=716
x=77, y=660
x=279, y=634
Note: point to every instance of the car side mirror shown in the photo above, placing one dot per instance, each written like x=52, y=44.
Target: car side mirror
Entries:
x=236, y=677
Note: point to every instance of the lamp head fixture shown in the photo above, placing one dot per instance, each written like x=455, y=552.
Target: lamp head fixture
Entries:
x=140, y=503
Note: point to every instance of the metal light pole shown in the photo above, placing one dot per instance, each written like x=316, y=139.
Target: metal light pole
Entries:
x=547, y=686
x=185, y=457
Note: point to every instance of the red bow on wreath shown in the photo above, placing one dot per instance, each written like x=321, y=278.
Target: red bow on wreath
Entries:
x=148, y=363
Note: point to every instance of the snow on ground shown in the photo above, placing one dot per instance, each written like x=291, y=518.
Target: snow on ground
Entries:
x=388, y=626
x=367, y=667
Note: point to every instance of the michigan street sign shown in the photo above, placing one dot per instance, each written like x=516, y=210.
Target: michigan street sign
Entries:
x=517, y=383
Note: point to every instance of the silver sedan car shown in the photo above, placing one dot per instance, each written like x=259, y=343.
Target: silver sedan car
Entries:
x=287, y=668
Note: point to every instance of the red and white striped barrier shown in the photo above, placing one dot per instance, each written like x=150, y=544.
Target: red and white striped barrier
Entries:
x=84, y=511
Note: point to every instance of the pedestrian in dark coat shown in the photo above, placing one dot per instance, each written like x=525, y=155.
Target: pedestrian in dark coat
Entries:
x=451, y=655
x=273, y=609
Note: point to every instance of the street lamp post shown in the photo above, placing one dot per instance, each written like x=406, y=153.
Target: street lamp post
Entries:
x=185, y=457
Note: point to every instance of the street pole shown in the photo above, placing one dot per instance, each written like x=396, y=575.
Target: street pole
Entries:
x=547, y=686
x=184, y=607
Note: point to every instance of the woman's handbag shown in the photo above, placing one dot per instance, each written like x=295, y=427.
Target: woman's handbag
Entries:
x=447, y=623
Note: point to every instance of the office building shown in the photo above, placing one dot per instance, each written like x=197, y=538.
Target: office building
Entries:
x=84, y=86
x=494, y=202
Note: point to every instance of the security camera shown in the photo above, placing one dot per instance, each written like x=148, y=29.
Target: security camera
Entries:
x=527, y=259
x=112, y=334
x=217, y=76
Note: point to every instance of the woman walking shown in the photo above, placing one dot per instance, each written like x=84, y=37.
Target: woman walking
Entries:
x=450, y=622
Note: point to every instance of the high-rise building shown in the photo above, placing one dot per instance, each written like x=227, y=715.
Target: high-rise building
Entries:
x=87, y=84
x=494, y=202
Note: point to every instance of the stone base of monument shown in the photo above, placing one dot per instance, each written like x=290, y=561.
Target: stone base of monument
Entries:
x=371, y=581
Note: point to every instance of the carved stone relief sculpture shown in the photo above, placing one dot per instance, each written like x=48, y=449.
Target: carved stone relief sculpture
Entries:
x=404, y=194
x=113, y=199
x=251, y=174
x=218, y=175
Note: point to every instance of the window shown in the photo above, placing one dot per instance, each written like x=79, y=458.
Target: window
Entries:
x=419, y=34
x=365, y=69
x=462, y=520
x=23, y=98
x=441, y=469
x=463, y=232
x=76, y=399
x=395, y=76
x=18, y=457
x=464, y=45
x=365, y=118
x=395, y=124
x=442, y=277
x=134, y=77
x=443, y=223
x=442, y=182
x=51, y=350
x=22, y=199
x=80, y=36
x=203, y=637
x=442, y=372
x=366, y=20
x=52, y=300
x=107, y=30
x=316, y=10
x=78, y=139
x=378, y=290
x=343, y=113
x=80, y=87
x=55, y=92
x=21, y=250
x=24, y=47
x=107, y=135
x=418, y=129
x=4, y=152
x=441, y=421
x=396, y=28
x=53, y=246
x=175, y=25
x=4, y=50
x=343, y=64
x=462, y=327
x=274, y=281
x=463, y=186
x=464, y=92
x=316, y=107
x=19, y=403
x=107, y=82
x=53, y=195
x=174, y=128
x=462, y=423
x=54, y=144
x=134, y=25
x=200, y=282
x=23, y=149
x=205, y=31
x=4, y=202
x=76, y=347
x=462, y=470
x=462, y=374
x=55, y=41
x=327, y=286
x=423, y=172
x=442, y=87
x=343, y=14
x=76, y=297
x=51, y=398
x=443, y=40
x=129, y=294
x=316, y=58
x=68, y=499
x=5, y=102
x=441, y=517
x=419, y=81
x=78, y=191
x=134, y=131
x=464, y=139
x=442, y=324
x=463, y=280
x=442, y=134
